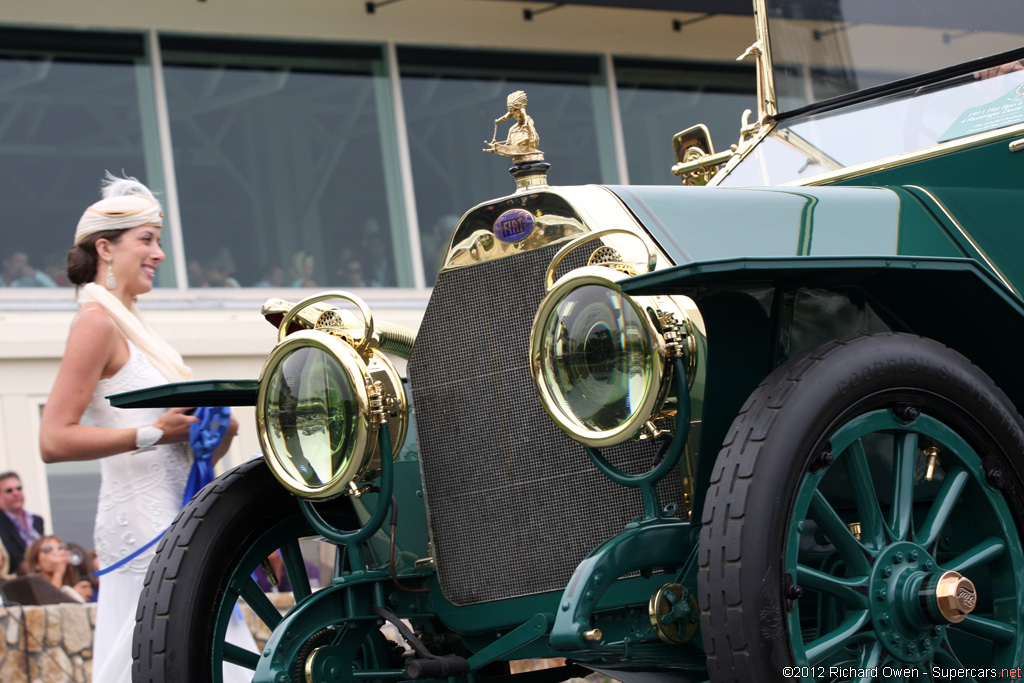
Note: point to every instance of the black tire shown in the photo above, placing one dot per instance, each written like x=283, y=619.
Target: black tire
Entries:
x=175, y=628
x=774, y=447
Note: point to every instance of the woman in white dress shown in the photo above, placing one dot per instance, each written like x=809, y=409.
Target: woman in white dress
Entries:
x=111, y=349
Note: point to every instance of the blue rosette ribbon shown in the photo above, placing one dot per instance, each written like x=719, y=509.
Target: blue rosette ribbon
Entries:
x=204, y=437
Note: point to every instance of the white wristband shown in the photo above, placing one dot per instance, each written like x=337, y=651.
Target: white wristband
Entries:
x=146, y=437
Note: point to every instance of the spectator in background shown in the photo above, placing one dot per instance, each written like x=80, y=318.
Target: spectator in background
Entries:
x=6, y=570
x=301, y=270
x=378, y=261
x=220, y=270
x=18, y=526
x=18, y=273
x=435, y=244
x=56, y=268
x=196, y=274
x=49, y=557
x=273, y=276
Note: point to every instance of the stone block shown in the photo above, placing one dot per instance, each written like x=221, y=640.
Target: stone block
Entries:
x=56, y=667
x=77, y=628
x=53, y=626
x=35, y=627
x=13, y=669
x=12, y=626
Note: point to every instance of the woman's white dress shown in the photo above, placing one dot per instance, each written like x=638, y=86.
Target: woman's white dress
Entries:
x=140, y=494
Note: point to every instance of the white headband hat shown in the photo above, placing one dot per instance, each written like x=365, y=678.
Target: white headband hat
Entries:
x=126, y=203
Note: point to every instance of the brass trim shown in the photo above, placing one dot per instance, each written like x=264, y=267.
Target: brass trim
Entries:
x=897, y=160
x=932, y=461
x=766, y=82
x=358, y=378
x=282, y=330
x=1017, y=145
x=977, y=247
x=593, y=635
x=661, y=604
x=549, y=275
x=657, y=389
x=597, y=208
x=955, y=596
x=367, y=375
x=855, y=529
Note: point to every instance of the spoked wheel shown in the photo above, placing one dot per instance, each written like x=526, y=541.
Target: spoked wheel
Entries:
x=863, y=521
x=204, y=564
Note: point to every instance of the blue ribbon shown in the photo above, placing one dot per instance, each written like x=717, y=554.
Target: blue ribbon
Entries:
x=204, y=437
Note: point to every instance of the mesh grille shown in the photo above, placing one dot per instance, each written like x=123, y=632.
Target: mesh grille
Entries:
x=514, y=504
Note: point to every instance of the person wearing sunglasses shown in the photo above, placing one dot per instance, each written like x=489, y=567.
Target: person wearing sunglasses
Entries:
x=49, y=557
x=18, y=526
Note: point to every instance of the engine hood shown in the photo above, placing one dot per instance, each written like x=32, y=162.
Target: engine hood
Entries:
x=711, y=223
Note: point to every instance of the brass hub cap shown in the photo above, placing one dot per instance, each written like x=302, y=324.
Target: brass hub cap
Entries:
x=955, y=597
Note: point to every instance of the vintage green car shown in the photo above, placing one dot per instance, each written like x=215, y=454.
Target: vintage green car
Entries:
x=763, y=426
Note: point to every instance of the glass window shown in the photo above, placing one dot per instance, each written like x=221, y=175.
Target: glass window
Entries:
x=72, y=105
x=659, y=99
x=451, y=101
x=282, y=164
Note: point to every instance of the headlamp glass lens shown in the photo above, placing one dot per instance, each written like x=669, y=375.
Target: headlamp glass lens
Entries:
x=312, y=416
x=596, y=357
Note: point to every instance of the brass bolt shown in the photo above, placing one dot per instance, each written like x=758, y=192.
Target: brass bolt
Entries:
x=855, y=529
x=932, y=453
x=593, y=635
x=956, y=596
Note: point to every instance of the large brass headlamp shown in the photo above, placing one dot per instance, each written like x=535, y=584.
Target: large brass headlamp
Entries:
x=324, y=394
x=602, y=360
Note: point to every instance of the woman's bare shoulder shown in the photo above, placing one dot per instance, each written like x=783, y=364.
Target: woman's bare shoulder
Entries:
x=92, y=327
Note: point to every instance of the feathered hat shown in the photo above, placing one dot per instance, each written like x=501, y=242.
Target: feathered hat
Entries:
x=126, y=203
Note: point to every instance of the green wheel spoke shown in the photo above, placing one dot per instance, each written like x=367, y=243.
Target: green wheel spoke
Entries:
x=260, y=603
x=983, y=553
x=871, y=658
x=295, y=566
x=842, y=589
x=942, y=506
x=996, y=631
x=822, y=647
x=240, y=656
x=859, y=475
x=947, y=660
x=903, y=486
x=849, y=548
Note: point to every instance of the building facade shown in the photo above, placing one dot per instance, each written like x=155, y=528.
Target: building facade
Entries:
x=307, y=145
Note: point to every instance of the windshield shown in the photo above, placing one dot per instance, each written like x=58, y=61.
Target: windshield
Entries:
x=822, y=49
x=800, y=148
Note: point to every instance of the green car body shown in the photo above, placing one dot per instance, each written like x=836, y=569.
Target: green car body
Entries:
x=844, y=451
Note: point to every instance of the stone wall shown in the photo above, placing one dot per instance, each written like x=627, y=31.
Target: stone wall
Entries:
x=56, y=638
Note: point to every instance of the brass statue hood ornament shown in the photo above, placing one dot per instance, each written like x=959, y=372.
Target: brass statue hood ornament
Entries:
x=529, y=168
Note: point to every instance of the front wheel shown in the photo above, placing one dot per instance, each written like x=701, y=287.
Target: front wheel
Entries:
x=204, y=564
x=863, y=521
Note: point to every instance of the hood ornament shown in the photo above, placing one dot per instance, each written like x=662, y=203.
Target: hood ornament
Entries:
x=528, y=167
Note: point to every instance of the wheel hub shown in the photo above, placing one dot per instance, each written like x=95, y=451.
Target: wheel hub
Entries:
x=912, y=602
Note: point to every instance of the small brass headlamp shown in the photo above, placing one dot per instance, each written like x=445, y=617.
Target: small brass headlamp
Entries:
x=322, y=400
x=602, y=360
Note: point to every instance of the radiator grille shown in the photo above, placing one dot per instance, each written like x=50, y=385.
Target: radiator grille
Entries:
x=514, y=505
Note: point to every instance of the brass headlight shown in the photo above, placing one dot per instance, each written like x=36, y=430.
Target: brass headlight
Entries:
x=602, y=360
x=320, y=406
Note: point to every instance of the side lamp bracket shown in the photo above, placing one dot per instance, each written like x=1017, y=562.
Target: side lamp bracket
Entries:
x=647, y=481
x=354, y=539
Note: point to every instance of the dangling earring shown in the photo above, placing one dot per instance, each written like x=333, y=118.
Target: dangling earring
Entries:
x=111, y=280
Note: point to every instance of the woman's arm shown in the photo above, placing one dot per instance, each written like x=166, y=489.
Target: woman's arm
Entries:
x=95, y=349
